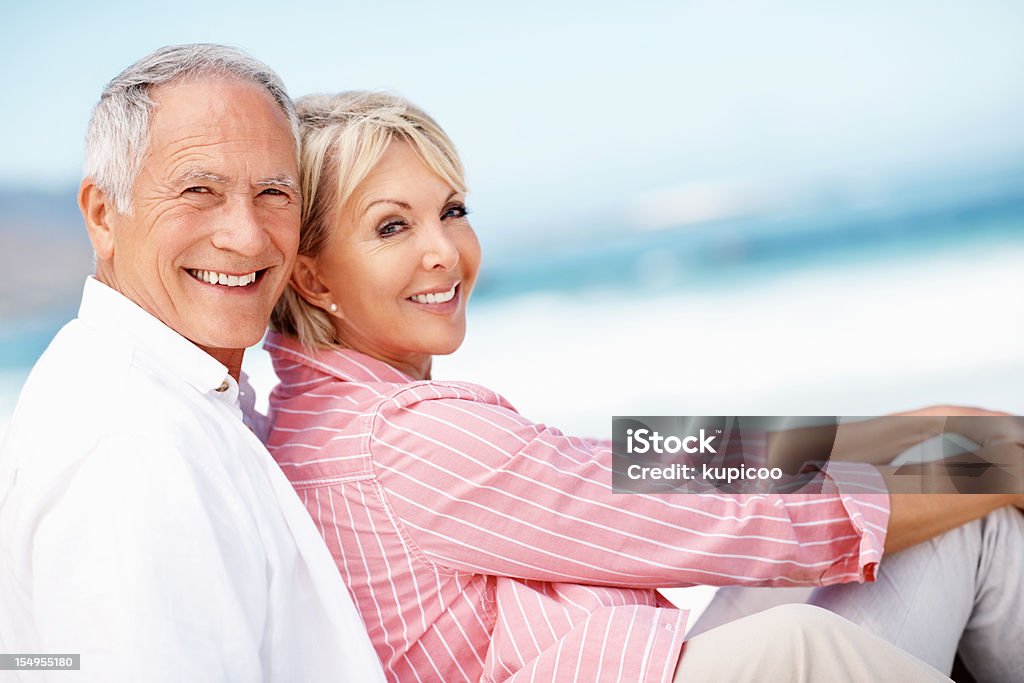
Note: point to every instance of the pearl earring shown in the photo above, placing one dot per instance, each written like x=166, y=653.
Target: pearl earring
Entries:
x=334, y=308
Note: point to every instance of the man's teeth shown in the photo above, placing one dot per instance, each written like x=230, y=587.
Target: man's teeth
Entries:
x=214, y=278
x=438, y=298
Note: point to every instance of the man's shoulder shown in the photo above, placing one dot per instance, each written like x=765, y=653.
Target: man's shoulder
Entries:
x=68, y=393
x=95, y=416
x=89, y=389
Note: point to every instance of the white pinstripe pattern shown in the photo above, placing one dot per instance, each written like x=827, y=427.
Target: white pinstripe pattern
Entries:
x=444, y=501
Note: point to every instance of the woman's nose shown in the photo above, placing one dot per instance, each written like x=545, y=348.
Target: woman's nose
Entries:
x=440, y=252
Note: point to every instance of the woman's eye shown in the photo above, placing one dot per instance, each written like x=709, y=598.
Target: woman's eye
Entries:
x=390, y=228
x=455, y=211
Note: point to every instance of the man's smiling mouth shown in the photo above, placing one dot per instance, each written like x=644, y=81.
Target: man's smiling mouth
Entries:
x=214, y=278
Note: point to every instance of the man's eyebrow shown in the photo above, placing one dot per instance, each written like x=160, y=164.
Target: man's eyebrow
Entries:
x=198, y=174
x=279, y=181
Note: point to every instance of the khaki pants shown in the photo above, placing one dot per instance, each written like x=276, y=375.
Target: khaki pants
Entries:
x=797, y=643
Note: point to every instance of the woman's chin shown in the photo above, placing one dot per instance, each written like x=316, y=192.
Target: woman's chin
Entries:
x=447, y=350
x=447, y=347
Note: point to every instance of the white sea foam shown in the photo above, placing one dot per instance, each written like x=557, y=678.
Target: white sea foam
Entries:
x=846, y=341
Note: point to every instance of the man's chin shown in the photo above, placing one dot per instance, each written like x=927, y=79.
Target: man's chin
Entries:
x=229, y=339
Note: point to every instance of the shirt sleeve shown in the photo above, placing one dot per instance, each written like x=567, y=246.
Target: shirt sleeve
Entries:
x=480, y=488
x=146, y=571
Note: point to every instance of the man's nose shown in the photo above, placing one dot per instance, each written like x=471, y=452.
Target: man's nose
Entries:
x=440, y=251
x=240, y=229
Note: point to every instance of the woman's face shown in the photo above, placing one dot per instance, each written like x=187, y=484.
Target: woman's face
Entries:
x=400, y=264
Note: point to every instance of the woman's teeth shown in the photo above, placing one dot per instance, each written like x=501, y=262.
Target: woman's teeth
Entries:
x=439, y=298
x=213, y=278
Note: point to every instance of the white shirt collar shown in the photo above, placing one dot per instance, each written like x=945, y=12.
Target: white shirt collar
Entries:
x=109, y=312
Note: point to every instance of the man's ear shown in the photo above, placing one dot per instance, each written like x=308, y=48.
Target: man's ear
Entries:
x=307, y=283
x=97, y=210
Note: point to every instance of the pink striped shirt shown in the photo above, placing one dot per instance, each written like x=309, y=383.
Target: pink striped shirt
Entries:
x=479, y=545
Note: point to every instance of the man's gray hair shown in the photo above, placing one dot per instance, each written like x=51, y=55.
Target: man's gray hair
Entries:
x=117, y=139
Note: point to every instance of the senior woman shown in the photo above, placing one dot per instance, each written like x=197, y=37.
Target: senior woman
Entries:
x=479, y=545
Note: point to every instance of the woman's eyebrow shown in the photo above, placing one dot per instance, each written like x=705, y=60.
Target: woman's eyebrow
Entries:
x=396, y=202
x=399, y=203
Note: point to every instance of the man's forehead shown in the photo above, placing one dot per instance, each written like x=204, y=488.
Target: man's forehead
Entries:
x=197, y=122
x=208, y=87
x=216, y=102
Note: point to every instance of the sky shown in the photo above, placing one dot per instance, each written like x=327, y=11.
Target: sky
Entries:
x=564, y=111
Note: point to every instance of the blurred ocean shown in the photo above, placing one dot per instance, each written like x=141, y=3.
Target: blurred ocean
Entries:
x=862, y=310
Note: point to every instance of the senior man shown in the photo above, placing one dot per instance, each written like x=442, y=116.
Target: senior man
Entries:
x=144, y=524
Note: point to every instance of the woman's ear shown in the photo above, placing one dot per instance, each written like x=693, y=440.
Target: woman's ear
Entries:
x=97, y=210
x=307, y=283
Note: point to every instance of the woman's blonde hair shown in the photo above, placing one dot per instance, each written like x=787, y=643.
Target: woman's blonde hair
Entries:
x=344, y=136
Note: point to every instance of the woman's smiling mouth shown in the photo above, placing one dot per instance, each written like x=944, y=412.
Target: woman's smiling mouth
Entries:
x=435, y=297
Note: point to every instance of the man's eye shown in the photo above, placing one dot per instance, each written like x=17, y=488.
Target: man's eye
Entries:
x=274, y=196
x=198, y=189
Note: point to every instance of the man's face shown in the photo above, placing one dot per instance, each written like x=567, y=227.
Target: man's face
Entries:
x=214, y=227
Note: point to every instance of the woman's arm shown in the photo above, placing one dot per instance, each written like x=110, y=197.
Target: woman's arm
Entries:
x=477, y=487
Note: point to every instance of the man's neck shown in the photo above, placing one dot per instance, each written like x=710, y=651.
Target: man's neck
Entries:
x=230, y=358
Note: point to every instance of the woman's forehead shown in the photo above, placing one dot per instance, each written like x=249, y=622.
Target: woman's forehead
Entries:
x=401, y=178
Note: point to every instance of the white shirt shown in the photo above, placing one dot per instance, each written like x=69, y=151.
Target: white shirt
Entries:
x=145, y=527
